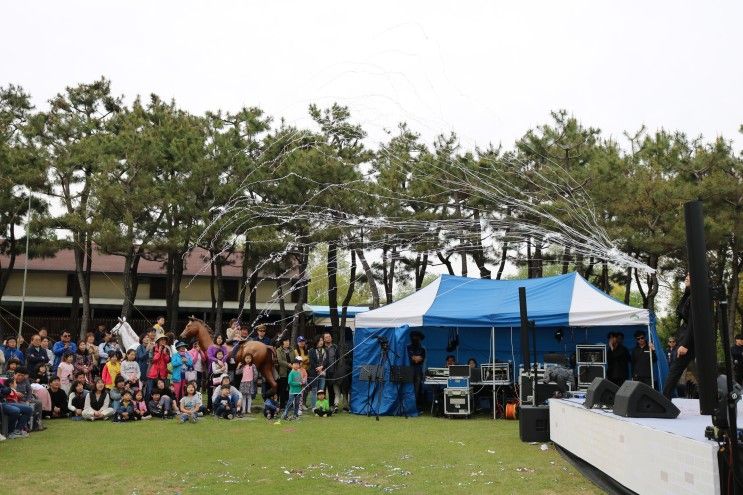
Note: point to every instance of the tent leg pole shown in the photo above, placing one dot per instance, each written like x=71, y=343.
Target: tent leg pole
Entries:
x=492, y=363
x=651, y=338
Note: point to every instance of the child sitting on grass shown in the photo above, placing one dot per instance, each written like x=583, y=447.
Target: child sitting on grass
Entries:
x=271, y=407
x=125, y=411
x=224, y=406
x=190, y=404
x=322, y=408
x=159, y=405
x=140, y=406
x=117, y=392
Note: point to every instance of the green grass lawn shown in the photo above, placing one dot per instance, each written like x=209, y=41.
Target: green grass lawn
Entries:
x=343, y=454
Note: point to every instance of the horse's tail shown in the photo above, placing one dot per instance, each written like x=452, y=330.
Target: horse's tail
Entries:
x=274, y=355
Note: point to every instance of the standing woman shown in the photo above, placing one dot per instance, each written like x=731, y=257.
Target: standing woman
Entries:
x=199, y=365
x=316, y=372
x=84, y=361
x=218, y=345
x=144, y=354
x=284, y=357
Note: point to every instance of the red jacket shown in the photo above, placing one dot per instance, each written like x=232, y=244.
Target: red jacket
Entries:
x=159, y=365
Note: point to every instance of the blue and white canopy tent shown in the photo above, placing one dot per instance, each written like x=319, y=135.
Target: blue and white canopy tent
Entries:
x=321, y=315
x=485, y=315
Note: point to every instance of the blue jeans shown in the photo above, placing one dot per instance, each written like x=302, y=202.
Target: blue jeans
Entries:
x=293, y=403
x=18, y=414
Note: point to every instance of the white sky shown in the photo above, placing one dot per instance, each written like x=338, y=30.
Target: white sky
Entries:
x=488, y=70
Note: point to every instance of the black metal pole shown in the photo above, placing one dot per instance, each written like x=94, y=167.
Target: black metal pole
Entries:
x=524, y=330
x=701, y=308
x=732, y=398
x=533, y=327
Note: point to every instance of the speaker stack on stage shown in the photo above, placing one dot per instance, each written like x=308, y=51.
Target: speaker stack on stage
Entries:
x=590, y=363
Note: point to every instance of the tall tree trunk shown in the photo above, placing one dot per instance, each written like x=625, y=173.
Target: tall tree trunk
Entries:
x=589, y=268
x=503, y=258
x=129, y=281
x=219, y=316
x=628, y=286
x=212, y=291
x=253, y=299
x=332, y=267
x=579, y=265
x=370, y=280
x=478, y=252
x=175, y=289
x=243, y=277
x=605, y=276
x=566, y=260
x=11, y=250
x=446, y=262
x=169, y=268
x=648, y=298
x=282, y=303
x=538, y=262
x=733, y=288
x=80, y=266
x=87, y=317
x=641, y=290
x=389, y=258
x=421, y=264
x=75, y=306
x=529, y=261
x=463, y=259
x=346, y=302
x=298, y=323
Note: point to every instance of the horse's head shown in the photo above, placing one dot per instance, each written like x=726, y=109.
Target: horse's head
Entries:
x=192, y=329
x=117, y=329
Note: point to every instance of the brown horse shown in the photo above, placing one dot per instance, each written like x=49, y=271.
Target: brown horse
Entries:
x=263, y=355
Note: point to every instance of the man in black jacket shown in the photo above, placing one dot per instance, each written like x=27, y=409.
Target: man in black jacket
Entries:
x=685, y=350
x=617, y=360
x=641, y=371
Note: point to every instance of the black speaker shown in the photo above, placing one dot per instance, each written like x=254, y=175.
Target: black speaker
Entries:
x=637, y=400
x=534, y=423
x=600, y=393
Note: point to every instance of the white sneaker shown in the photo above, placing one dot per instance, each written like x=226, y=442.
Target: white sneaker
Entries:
x=2, y=438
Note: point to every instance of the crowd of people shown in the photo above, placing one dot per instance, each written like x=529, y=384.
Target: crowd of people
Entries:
x=96, y=379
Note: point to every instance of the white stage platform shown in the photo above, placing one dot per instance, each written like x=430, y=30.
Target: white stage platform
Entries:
x=647, y=456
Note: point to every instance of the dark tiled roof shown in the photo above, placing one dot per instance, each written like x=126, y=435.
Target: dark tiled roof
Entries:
x=196, y=264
